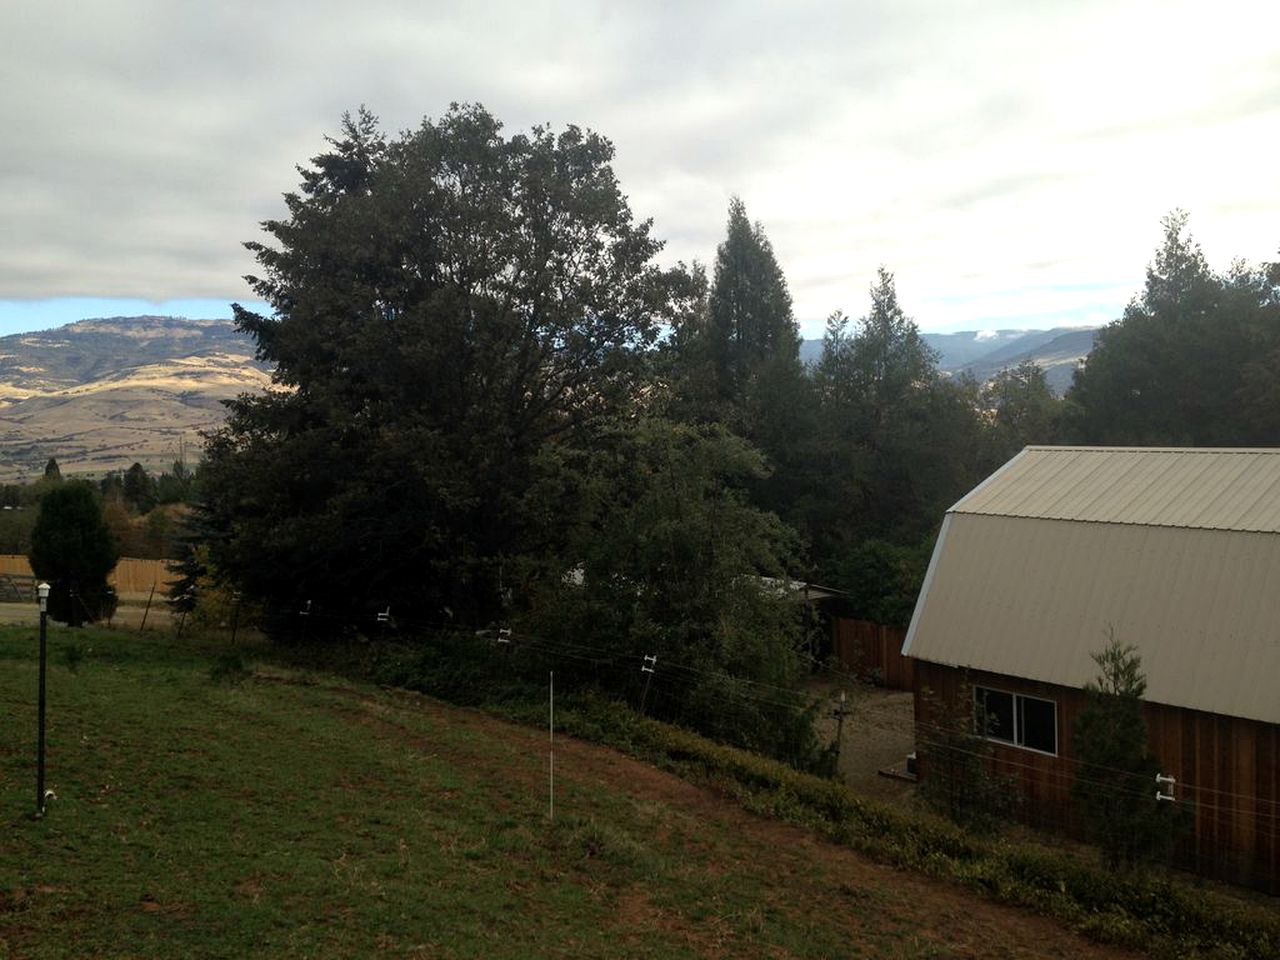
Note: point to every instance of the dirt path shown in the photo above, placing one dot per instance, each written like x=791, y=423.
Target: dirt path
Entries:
x=839, y=886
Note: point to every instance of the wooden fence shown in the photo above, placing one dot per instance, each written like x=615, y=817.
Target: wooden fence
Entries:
x=131, y=576
x=873, y=650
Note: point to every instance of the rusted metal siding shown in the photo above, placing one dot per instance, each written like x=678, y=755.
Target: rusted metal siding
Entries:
x=1035, y=598
x=1225, y=768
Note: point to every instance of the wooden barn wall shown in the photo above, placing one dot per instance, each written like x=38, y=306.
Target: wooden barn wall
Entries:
x=873, y=649
x=1226, y=768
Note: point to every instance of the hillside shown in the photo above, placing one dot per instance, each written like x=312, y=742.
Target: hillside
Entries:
x=282, y=813
x=985, y=353
x=101, y=394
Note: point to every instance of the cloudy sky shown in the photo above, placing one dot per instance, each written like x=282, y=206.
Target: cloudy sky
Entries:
x=1009, y=161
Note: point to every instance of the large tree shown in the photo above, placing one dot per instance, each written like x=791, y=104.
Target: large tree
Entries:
x=444, y=305
x=752, y=337
x=896, y=437
x=1192, y=361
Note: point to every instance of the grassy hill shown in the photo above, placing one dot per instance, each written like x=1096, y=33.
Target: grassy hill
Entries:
x=207, y=812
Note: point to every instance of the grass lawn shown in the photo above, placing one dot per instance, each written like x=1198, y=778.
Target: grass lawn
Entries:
x=202, y=812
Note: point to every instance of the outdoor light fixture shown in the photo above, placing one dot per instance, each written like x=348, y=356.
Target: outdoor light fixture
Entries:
x=42, y=592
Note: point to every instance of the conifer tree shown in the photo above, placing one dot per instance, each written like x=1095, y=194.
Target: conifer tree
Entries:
x=1115, y=786
x=73, y=550
x=754, y=340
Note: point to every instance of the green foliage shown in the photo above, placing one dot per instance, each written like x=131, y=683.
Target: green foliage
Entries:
x=665, y=555
x=1192, y=362
x=139, y=489
x=1022, y=408
x=1115, y=786
x=72, y=548
x=736, y=361
x=751, y=335
x=176, y=486
x=447, y=305
x=883, y=579
x=896, y=445
x=51, y=470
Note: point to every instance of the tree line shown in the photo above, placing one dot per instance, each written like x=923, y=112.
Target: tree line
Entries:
x=493, y=405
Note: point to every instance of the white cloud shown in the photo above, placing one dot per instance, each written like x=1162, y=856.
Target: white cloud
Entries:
x=1008, y=160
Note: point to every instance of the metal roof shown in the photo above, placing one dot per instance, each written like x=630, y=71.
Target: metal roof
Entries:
x=1215, y=489
x=1174, y=551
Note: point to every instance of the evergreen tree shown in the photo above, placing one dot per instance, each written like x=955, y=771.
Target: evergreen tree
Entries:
x=1189, y=362
x=73, y=550
x=1115, y=784
x=754, y=342
x=1022, y=408
x=445, y=305
x=139, y=489
x=897, y=443
x=737, y=361
x=52, y=471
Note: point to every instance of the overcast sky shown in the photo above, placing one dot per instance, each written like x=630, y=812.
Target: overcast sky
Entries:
x=1010, y=162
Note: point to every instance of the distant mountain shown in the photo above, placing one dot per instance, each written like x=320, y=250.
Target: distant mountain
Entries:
x=1059, y=356
x=985, y=353
x=101, y=394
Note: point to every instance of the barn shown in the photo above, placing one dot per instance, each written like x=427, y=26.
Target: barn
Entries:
x=1175, y=551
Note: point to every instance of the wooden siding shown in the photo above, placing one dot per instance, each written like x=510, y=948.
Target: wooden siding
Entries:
x=1226, y=769
x=872, y=649
x=131, y=577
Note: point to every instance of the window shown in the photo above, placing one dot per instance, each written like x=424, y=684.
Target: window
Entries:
x=1022, y=721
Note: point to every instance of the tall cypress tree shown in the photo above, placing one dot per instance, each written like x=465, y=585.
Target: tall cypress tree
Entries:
x=753, y=339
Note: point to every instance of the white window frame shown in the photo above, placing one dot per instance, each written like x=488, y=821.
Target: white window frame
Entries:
x=1017, y=721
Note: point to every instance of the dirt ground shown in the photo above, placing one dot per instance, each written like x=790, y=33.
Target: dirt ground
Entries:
x=128, y=615
x=878, y=734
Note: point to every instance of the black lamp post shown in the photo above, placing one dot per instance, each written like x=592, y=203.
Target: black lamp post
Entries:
x=43, y=592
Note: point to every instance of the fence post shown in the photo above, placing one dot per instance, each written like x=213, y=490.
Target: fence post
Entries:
x=147, y=609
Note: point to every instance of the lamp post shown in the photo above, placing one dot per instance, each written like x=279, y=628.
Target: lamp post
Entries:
x=43, y=592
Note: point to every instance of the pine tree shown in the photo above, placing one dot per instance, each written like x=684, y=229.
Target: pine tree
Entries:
x=1115, y=787
x=52, y=471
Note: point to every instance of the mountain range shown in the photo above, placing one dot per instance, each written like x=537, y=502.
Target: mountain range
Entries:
x=99, y=395
x=983, y=354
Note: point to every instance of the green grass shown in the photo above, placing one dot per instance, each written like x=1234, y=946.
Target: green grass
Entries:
x=207, y=809
x=220, y=803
